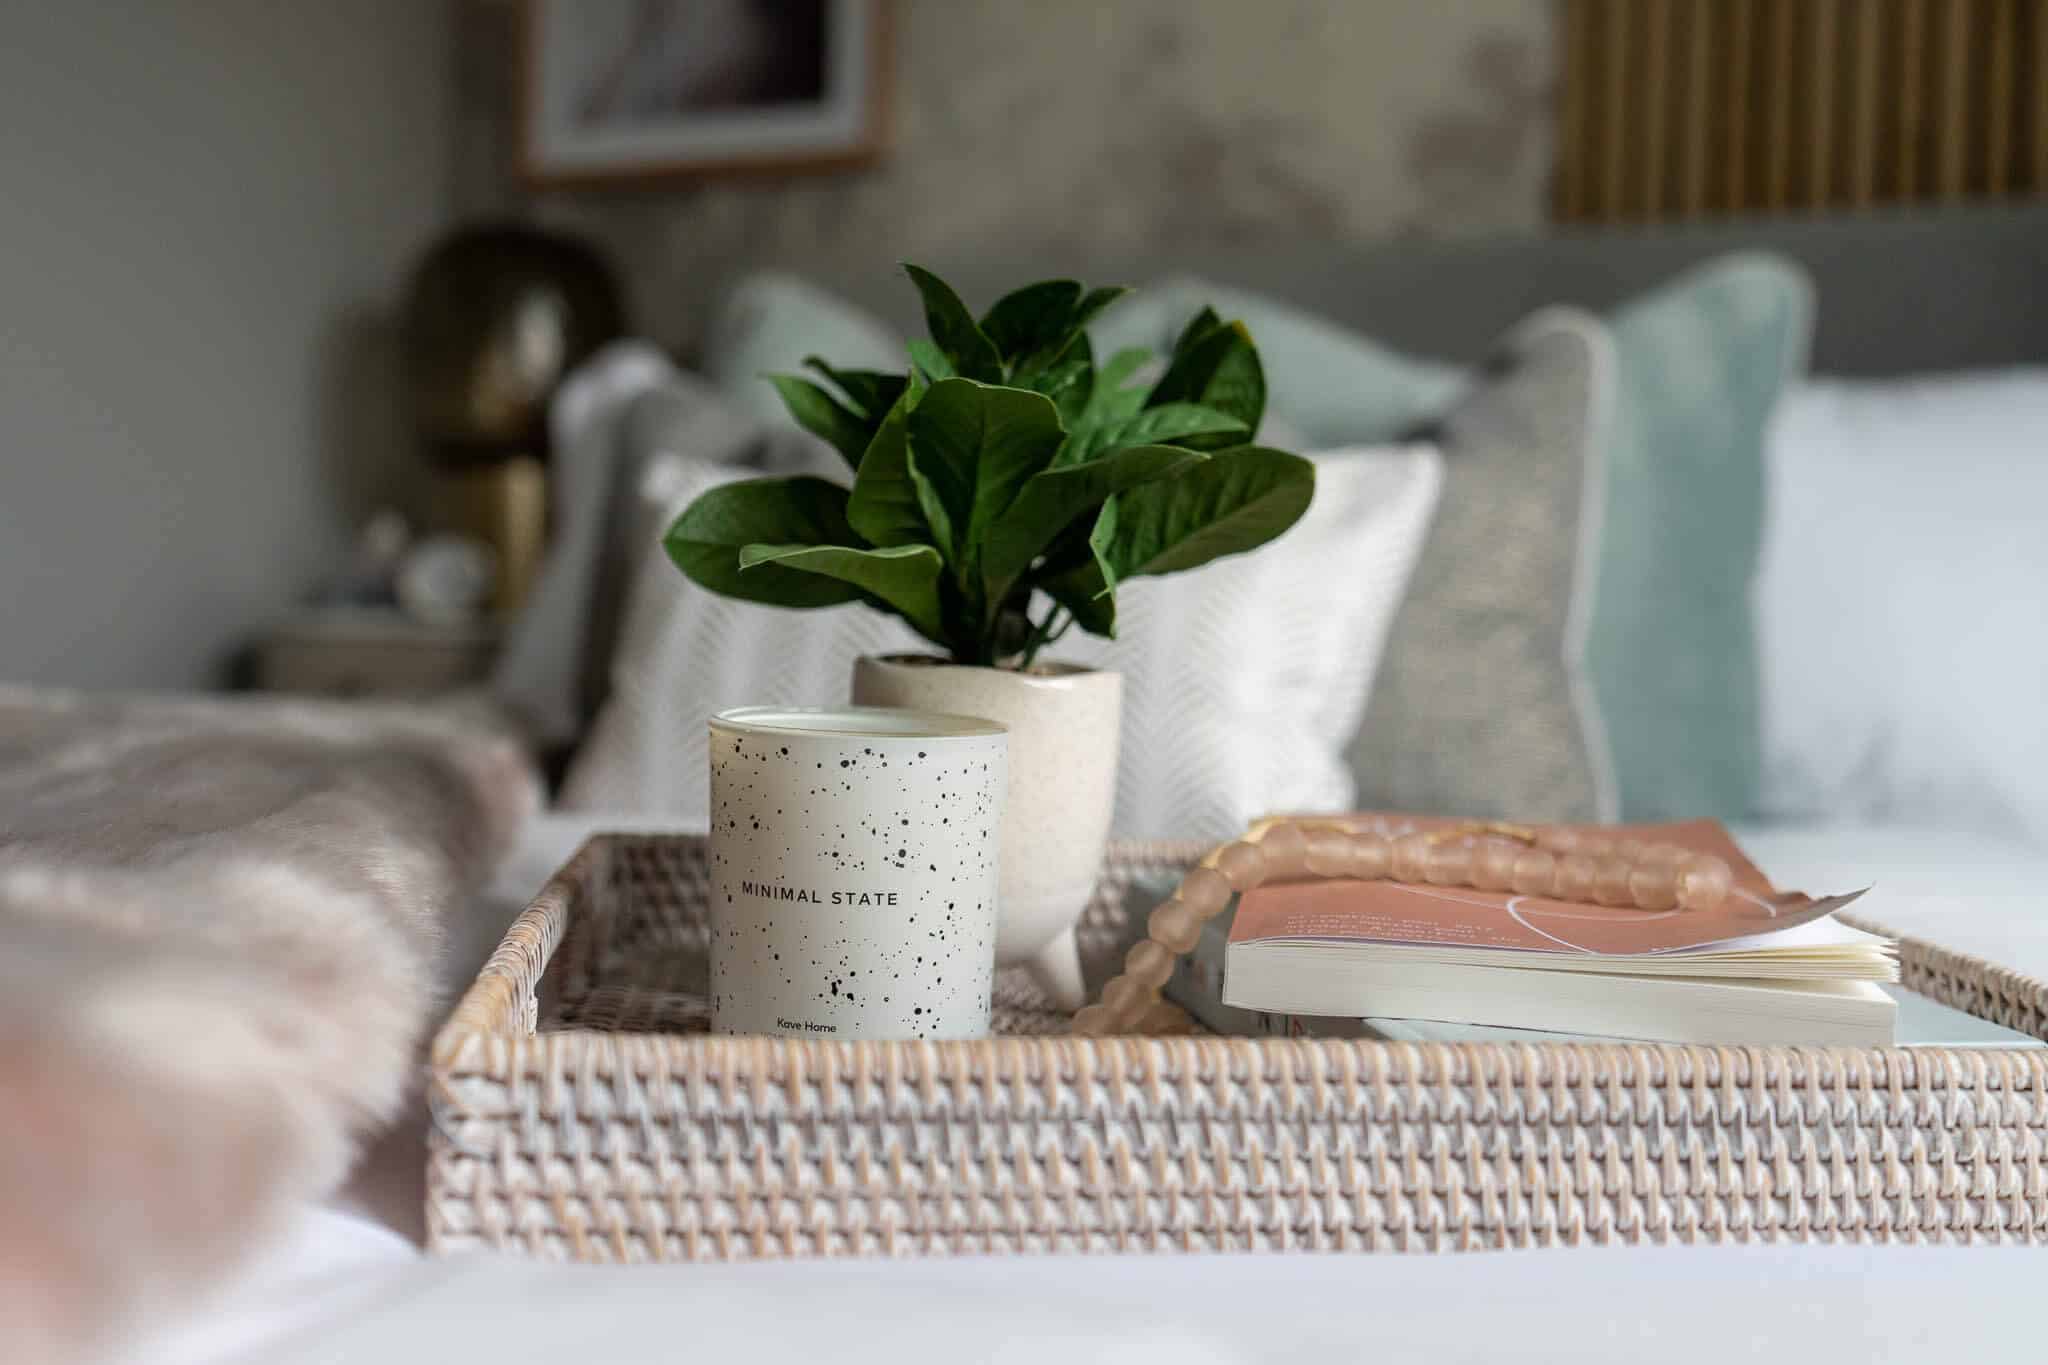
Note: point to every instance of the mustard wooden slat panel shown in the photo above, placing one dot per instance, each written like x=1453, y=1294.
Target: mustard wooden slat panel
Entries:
x=1614, y=110
x=1869, y=22
x=1784, y=80
x=1674, y=109
x=2037, y=80
x=1955, y=76
x=1912, y=98
x=1740, y=62
x=1699, y=105
x=1574, y=118
x=1999, y=100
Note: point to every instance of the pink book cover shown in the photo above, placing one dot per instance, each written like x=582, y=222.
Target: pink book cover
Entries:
x=1463, y=917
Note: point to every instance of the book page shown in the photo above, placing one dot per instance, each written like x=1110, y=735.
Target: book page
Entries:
x=1462, y=917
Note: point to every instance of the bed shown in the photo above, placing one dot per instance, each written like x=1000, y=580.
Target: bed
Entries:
x=1900, y=294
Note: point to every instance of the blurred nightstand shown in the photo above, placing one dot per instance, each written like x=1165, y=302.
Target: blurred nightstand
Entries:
x=372, y=652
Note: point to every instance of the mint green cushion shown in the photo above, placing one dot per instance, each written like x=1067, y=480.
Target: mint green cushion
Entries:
x=1324, y=381
x=1670, y=642
x=1672, y=651
x=770, y=321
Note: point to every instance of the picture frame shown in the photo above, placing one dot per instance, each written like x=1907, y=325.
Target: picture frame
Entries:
x=622, y=92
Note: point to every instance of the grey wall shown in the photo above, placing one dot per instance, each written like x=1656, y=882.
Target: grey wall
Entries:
x=206, y=207
x=1100, y=127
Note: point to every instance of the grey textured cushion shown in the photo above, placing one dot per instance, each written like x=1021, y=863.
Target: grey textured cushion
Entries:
x=1324, y=380
x=1481, y=706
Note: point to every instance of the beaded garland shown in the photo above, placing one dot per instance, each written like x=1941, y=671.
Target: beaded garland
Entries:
x=1528, y=860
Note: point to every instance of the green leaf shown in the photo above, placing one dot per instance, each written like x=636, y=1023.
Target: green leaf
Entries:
x=1095, y=301
x=1170, y=424
x=1118, y=369
x=705, y=540
x=884, y=507
x=1198, y=326
x=929, y=361
x=1219, y=369
x=926, y=506
x=1049, y=501
x=952, y=327
x=1032, y=318
x=871, y=392
x=1068, y=379
x=1108, y=399
x=1083, y=591
x=904, y=576
x=938, y=517
x=975, y=445
x=1236, y=500
x=819, y=413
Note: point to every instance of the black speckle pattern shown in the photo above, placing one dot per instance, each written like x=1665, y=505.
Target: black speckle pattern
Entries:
x=860, y=904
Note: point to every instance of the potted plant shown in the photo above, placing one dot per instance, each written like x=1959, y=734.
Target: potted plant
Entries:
x=1003, y=487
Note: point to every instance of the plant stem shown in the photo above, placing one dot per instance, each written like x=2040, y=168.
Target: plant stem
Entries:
x=1042, y=634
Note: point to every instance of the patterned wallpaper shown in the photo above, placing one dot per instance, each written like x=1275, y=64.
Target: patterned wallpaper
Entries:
x=1069, y=122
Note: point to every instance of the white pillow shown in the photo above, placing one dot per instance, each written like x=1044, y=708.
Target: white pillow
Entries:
x=1243, y=680
x=1905, y=644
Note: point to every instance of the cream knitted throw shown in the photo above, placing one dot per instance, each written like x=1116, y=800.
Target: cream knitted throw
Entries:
x=220, y=927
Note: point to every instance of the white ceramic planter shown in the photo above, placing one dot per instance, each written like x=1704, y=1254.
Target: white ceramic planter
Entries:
x=1063, y=725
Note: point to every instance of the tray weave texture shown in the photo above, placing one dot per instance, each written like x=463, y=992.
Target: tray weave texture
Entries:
x=580, y=1112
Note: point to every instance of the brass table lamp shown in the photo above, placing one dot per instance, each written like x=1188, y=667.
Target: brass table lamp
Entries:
x=496, y=315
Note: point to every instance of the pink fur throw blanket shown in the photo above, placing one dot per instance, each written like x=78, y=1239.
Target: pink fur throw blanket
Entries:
x=222, y=927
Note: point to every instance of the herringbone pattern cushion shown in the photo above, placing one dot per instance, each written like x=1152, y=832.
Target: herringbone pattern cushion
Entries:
x=1242, y=679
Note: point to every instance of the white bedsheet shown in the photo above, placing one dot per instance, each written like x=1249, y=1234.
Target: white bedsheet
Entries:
x=348, y=1284
x=1964, y=891
x=1672, y=1305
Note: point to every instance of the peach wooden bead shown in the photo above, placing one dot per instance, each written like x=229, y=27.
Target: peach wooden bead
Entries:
x=1662, y=855
x=1595, y=846
x=1206, y=891
x=1628, y=850
x=1493, y=865
x=1450, y=865
x=1610, y=883
x=1703, y=882
x=1128, y=1022
x=1653, y=886
x=1242, y=865
x=1122, y=993
x=1558, y=839
x=1148, y=963
x=1535, y=872
x=1176, y=925
x=1286, y=852
x=1091, y=1019
x=1576, y=873
x=1371, y=857
x=1125, y=1020
x=1163, y=1016
x=1411, y=858
x=1328, y=852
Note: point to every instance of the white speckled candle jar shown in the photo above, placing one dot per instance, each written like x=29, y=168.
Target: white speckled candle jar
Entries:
x=854, y=868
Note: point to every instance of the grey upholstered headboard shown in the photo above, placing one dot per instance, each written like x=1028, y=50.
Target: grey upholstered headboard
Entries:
x=1898, y=292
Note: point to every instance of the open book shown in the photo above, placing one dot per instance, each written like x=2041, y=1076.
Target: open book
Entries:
x=1762, y=967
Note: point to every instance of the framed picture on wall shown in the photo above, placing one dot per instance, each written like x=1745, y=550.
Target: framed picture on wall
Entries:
x=625, y=90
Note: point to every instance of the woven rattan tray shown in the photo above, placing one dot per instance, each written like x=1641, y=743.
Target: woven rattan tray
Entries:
x=580, y=1111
